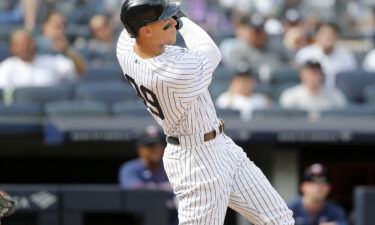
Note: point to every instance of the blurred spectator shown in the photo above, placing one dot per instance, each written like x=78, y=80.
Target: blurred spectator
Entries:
x=323, y=9
x=26, y=68
x=294, y=39
x=84, y=10
x=313, y=208
x=102, y=48
x=240, y=96
x=369, y=61
x=78, y=11
x=311, y=95
x=292, y=18
x=333, y=57
x=290, y=5
x=360, y=16
x=250, y=48
x=54, y=41
x=319, y=8
x=298, y=13
x=147, y=171
x=111, y=8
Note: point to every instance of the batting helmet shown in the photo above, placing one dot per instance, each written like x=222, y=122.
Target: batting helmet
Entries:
x=138, y=13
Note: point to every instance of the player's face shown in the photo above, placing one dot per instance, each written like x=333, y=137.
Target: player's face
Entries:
x=164, y=31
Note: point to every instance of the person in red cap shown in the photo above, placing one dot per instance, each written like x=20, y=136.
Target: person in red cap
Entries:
x=313, y=208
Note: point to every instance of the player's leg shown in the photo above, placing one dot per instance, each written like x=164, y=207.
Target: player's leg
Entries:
x=201, y=186
x=253, y=196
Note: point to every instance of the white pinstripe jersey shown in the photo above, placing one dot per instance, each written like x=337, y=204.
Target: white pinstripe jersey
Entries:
x=207, y=177
x=173, y=85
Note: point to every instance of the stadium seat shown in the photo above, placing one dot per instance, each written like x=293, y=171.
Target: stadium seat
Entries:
x=76, y=108
x=279, y=89
x=20, y=109
x=225, y=113
x=369, y=94
x=265, y=89
x=350, y=110
x=74, y=30
x=42, y=95
x=277, y=112
x=6, y=29
x=223, y=73
x=284, y=74
x=364, y=204
x=104, y=72
x=353, y=83
x=81, y=13
x=217, y=87
x=130, y=108
x=105, y=91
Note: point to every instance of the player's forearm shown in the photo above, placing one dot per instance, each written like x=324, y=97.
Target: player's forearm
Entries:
x=196, y=39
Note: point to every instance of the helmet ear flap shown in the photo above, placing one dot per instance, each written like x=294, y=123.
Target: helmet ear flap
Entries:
x=132, y=32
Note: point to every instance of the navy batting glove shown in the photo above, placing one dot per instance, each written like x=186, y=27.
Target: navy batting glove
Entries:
x=177, y=17
x=179, y=22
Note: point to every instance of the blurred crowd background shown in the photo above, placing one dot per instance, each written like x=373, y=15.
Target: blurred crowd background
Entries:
x=265, y=45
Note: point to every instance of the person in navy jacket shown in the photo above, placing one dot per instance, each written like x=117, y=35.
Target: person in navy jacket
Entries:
x=312, y=207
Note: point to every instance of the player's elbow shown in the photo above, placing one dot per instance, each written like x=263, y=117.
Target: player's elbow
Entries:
x=220, y=57
x=214, y=54
x=217, y=58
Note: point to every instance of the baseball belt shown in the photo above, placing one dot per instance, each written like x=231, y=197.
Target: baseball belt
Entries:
x=207, y=136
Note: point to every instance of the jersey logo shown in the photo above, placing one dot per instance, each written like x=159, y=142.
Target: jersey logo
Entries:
x=149, y=98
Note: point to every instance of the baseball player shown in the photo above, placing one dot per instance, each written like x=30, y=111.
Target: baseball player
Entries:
x=207, y=170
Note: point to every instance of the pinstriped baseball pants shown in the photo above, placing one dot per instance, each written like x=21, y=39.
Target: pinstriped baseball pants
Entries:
x=208, y=178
